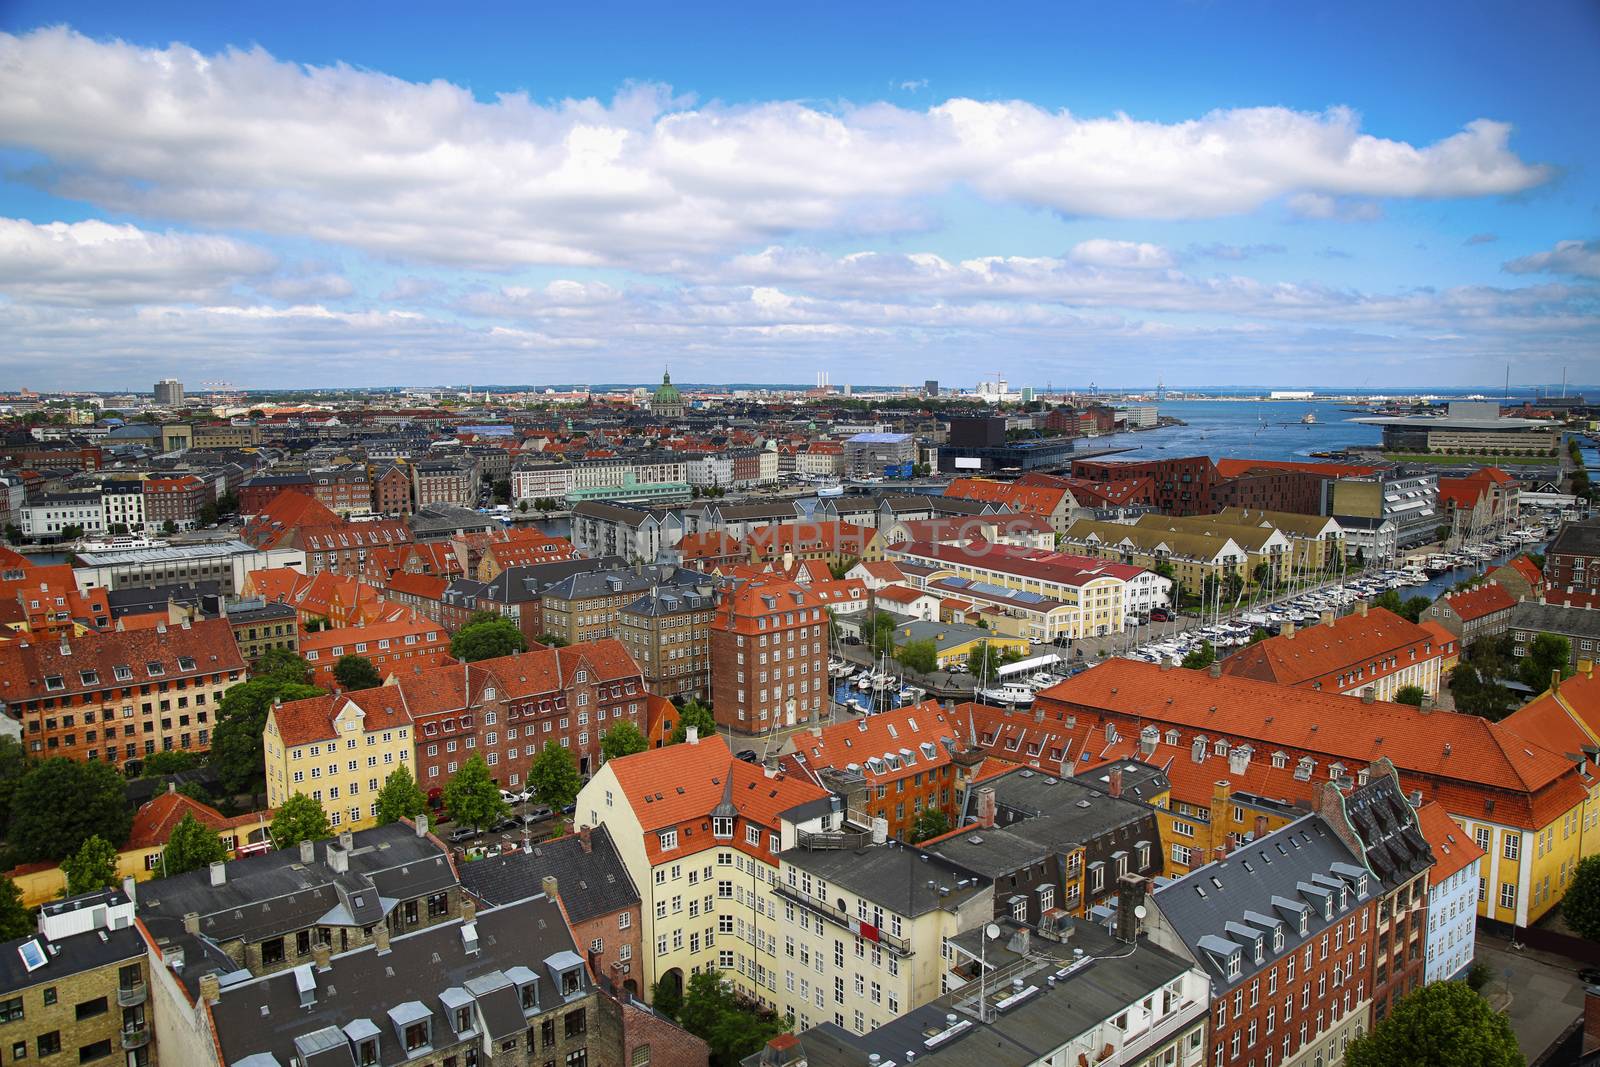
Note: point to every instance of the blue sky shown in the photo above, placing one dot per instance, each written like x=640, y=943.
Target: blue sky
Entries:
x=1206, y=193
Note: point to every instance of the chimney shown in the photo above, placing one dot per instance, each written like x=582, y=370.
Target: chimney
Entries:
x=322, y=955
x=469, y=909
x=880, y=830
x=1261, y=827
x=308, y=851
x=1555, y=679
x=347, y=840
x=692, y=735
x=1115, y=786
x=422, y=825
x=380, y=938
x=219, y=873
x=1426, y=707
x=211, y=988
x=191, y=922
x=130, y=889
x=1361, y=606
x=1215, y=669
x=986, y=807
x=1130, y=896
x=548, y=886
x=1369, y=694
x=1166, y=663
x=585, y=839
x=338, y=859
x=1327, y=618
x=1287, y=630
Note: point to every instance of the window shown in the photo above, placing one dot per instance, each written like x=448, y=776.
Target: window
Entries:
x=669, y=840
x=1512, y=845
x=10, y=1010
x=88, y=1009
x=48, y=1044
x=1508, y=894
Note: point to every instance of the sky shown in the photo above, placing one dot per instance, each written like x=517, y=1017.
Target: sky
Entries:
x=1367, y=195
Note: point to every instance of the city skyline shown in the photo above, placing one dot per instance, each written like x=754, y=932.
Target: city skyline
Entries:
x=1224, y=196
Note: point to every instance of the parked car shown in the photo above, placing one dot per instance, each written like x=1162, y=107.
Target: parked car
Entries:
x=538, y=813
x=1160, y=615
x=462, y=833
x=524, y=796
x=507, y=822
x=1589, y=976
x=510, y=798
x=748, y=755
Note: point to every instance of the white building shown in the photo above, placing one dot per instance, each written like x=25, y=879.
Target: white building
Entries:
x=1452, y=895
x=123, y=504
x=49, y=515
x=547, y=481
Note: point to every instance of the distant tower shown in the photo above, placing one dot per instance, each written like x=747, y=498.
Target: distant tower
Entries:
x=667, y=402
x=169, y=393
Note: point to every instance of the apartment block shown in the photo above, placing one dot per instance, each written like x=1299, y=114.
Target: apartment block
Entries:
x=768, y=657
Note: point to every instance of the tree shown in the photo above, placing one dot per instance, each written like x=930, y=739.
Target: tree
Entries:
x=241, y=717
x=400, y=798
x=1412, y=608
x=15, y=920
x=1261, y=572
x=486, y=636
x=666, y=996
x=161, y=763
x=1201, y=658
x=988, y=658
x=208, y=513
x=1389, y=600
x=550, y=640
x=920, y=656
x=1411, y=694
x=623, y=739
x=354, y=672
x=1581, y=905
x=843, y=567
x=697, y=715
x=930, y=823
x=93, y=866
x=880, y=632
x=1442, y=1024
x=1547, y=654
x=283, y=665
x=14, y=763
x=502, y=491
x=60, y=803
x=14, y=535
x=472, y=798
x=1258, y=635
x=191, y=846
x=1477, y=694
x=300, y=818
x=554, y=776
x=733, y=1028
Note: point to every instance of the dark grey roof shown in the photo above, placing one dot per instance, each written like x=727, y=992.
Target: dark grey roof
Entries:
x=591, y=883
x=138, y=601
x=660, y=577
x=670, y=601
x=1552, y=618
x=244, y=613
x=1273, y=879
x=1140, y=781
x=594, y=509
x=517, y=585
x=1577, y=538
x=1387, y=826
x=1086, y=991
x=69, y=955
x=376, y=994
x=905, y=880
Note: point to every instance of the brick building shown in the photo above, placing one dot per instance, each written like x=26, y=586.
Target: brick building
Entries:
x=1376, y=650
x=454, y=480
x=259, y=627
x=769, y=655
x=1181, y=485
x=403, y=647
x=1482, y=611
x=1271, y=489
x=120, y=696
x=391, y=489
x=1573, y=559
x=343, y=547
x=176, y=500
x=667, y=631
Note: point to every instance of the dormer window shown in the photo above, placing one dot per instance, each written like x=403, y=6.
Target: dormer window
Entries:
x=1305, y=923
x=186, y=663
x=721, y=826
x=122, y=672
x=1277, y=939
x=669, y=840
x=1221, y=747
x=53, y=682
x=90, y=677
x=1235, y=965
x=367, y=1053
x=463, y=1020
x=155, y=668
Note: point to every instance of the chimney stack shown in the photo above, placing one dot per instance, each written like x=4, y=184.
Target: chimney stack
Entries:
x=211, y=988
x=986, y=807
x=308, y=851
x=191, y=922
x=585, y=839
x=1215, y=670
x=1130, y=896
x=1287, y=630
x=1369, y=694
x=1361, y=606
x=469, y=909
x=219, y=873
x=692, y=735
x=422, y=825
x=1555, y=679
x=347, y=840
x=1115, y=780
x=1261, y=827
x=1327, y=618
x=322, y=955
x=548, y=886
x=130, y=889
x=380, y=938
x=338, y=859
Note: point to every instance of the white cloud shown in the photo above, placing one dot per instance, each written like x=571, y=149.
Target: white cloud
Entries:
x=1103, y=253
x=303, y=287
x=95, y=262
x=1579, y=258
x=426, y=172
x=1317, y=206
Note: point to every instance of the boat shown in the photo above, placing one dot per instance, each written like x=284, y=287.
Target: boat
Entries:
x=1308, y=419
x=832, y=490
x=1011, y=695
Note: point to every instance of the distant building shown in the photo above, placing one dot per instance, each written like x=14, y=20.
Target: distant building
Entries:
x=769, y=652
x=879, y=455
x=1573, y=560
x=667, y=402
x=169, y=393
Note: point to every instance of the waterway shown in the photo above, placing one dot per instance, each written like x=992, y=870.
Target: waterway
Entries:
x=1256, y=429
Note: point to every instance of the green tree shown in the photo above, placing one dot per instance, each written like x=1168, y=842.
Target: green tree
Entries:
x=623, y=739
x=15, y=920
x=1258, y=635
x=733, y=1028
x=502, y=491
x=1547, y=654
x=93, y=866
x=354, y=673
x=208, y=513
x=1441, y=1024
x=488, y=635
x=60, y=803
x=697, y=715
x=168, y=527
x=550, y=640
x=1389, y=600
x=1412, y=607
x=14, y=763
x=191, y=846
x=1411, y=694
x=985, y=660
x=931, y=823
x=1478, y=694
x=236, y=753
x=920, y=656
x=471, y=797
x=1201, y=658
x=554, y=777
x=1261, y=572
x=880, y=631
x=843, y=567
x=666, y=996
x=300, y=818
x=160, y=763
x=282, y=665
x=1581, y=905
x=400, y=798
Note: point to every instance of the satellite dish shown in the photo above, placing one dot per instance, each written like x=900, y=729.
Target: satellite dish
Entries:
x=991, y=931
x=1139, y=912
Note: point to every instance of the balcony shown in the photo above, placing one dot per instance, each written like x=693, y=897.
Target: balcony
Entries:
x=135, y=1037
x=840, y=918
x=130, y=996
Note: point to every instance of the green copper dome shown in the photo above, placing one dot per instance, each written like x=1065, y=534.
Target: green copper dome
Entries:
x=667, y=393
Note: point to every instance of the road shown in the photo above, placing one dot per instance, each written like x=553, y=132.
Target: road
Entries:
x=1538, y=992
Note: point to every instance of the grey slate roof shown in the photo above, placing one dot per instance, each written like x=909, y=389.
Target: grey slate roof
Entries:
x=70, y=955
x=1577, y=539
x=904, y=879
x=591, y=884
x=517, y=585
x=364, y=991
x=1383, y=819
x=625, y=516
x=1272, y=879
x=1552, y=618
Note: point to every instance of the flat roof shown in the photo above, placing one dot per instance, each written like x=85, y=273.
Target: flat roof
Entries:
x=210, y=550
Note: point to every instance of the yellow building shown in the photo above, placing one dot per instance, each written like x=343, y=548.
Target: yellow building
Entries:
x=1193, y=557
x=338, y=749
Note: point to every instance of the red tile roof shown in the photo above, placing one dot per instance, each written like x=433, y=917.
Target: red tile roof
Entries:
x=1232, y=468
x=184, y=650
x=300, y=722
x=1034, y=499
x=1325, y=649
x=1454, y=850
x=156, y=818
x=1481, y=600
x=872, y=737
x=1565, y=719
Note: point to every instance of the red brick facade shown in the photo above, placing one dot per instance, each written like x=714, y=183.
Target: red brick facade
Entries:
x=768, y=657
x=1183, y=485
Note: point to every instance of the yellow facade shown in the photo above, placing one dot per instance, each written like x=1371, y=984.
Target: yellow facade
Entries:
x=344, y=769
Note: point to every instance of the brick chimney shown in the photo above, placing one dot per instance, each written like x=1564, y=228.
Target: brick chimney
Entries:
x=986, y=807
x=1114, y=780
x=211, y=988
x=1555, y=679
x=1130, y=895
x=548, y=886
x=380, y=938
x=1261, y=827
x=1361, y=607
x=1215, y=670
x=585, y=839
x=1369, y=694
x=1287, y=631
x=322, y=955
x=469, y=909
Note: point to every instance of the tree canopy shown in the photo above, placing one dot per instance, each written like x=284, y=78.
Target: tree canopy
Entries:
x=1441, y=1024
x=697, y=715
x=486, y=636
x=930, y=823
x=93, y=866
x=241, y=717
x=300, y=818
x=554, y=777
x=920, y=656
x=15, y=921
x=471, y=798
x=282, y=664
x=1411, y=694
x=400, y=798
x=733, y=1028
x=190, y=846
x=1547, y=653
x=1581, y=905
x=623, y=739
x=162, y=763
x=1201, y=658
x=60, y=803
x=354, y=672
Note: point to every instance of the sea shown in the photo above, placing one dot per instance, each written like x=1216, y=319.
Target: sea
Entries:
x=1257, y=429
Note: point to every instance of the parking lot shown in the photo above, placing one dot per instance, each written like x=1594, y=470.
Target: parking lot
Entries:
x=526, y=821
